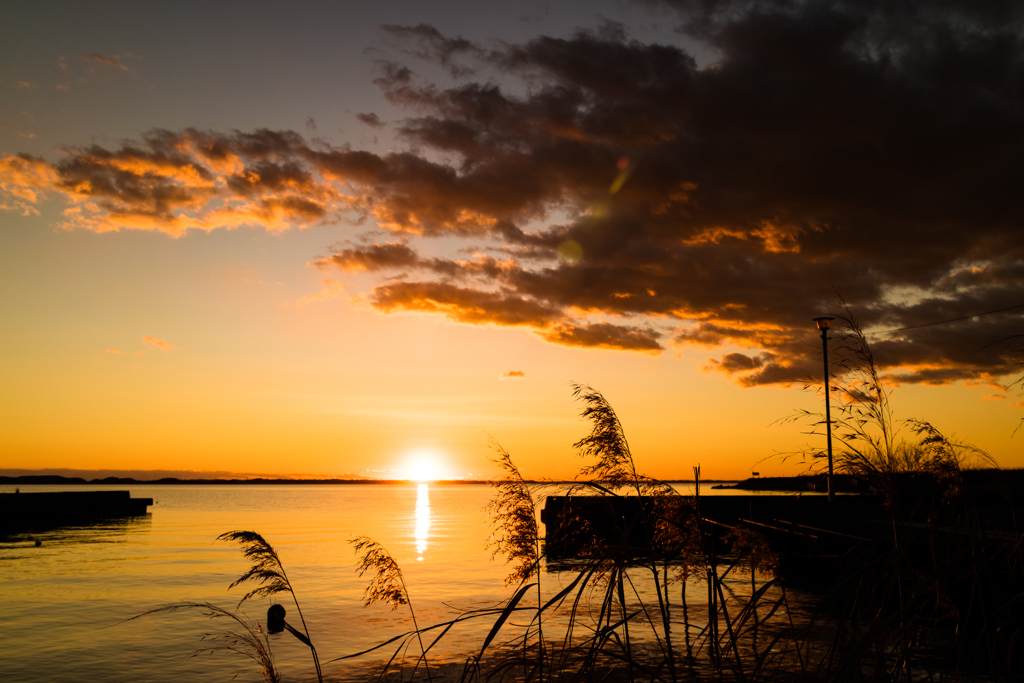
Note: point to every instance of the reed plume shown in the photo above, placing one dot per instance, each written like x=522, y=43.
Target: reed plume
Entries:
x=251, y=641
x=754, y=546
x=513, y=518
x=516, y=536
x=871, y=446
x=916, y=594
x=614, y=467
x=387, y=585
x=266, y=568
x=268, y=572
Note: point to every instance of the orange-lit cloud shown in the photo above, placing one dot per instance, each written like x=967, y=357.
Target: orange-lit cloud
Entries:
x=160, y=344
x=106, y=61
x=465, y=305
x=22, y=179
x=172, y=182
x=603, y=335
x=371, y=258
x=621, y=195
x=513, y=374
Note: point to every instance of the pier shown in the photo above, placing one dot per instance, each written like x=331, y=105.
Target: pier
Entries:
x=809, y=535
x=31, y=511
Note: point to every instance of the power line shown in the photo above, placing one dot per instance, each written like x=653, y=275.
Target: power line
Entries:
x=943, y=322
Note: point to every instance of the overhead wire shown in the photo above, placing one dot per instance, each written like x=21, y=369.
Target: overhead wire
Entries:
x=944, y=322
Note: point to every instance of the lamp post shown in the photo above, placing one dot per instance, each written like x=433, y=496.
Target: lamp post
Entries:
x=823, y=323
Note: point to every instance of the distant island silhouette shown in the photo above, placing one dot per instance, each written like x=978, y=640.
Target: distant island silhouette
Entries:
x=58, y=480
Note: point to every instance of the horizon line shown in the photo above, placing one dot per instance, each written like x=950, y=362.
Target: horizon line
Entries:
x=42, y=479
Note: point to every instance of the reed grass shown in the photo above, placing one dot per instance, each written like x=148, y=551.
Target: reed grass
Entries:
x=931, y=590
x=269, y=575
x=250, y=641
x=386, y=586
x=516, y=537
x=872, y=444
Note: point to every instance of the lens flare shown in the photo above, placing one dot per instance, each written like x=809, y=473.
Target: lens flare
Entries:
x=570, y=252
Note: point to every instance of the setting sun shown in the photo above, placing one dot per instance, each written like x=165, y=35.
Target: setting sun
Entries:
x=422, y=468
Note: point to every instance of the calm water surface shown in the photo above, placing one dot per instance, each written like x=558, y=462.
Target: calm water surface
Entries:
x=65, y=602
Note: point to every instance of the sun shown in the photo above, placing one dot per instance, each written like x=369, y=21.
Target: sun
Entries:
x=422, y=467
x=422, y=470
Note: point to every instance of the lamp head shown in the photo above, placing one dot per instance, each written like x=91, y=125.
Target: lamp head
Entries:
x=824, y=322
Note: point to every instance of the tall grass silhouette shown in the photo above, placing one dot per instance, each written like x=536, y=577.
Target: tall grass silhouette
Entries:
x=873, y=444
x=387, y=584
x=928, y=589
x=516, y=537
x=269, y=575
x=614, y=470
x=250, y=641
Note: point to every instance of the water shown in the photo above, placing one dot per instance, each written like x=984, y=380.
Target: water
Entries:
x=66, y=601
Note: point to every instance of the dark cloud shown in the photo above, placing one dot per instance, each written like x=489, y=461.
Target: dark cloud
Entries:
x=375, y=257
x=605, y=336
x=623, y=195
x=462, y=304
x=426, y=42
x=869, y=150
x=371, y=120
x=738, y=362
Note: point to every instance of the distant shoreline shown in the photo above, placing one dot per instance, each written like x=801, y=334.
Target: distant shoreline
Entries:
x=57, y=480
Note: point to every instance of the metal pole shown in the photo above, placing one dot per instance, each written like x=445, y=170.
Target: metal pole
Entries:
x=828, y=413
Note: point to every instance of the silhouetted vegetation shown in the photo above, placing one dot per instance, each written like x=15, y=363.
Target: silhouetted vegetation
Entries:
x=269, y=575
x=872, y=444
x=251, y=641
x=929, y=588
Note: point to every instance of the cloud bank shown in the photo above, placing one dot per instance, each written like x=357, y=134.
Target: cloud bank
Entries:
x=615, y=194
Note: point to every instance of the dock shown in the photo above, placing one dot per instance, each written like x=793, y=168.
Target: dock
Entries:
x=31, y=511
x=809, y=535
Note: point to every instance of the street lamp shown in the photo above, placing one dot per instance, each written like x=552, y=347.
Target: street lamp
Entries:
x=823, y=323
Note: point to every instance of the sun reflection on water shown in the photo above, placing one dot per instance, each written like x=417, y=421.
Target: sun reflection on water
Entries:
x=422, y=519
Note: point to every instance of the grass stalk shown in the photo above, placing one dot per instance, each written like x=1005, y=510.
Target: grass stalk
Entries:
x=931, y=560
x=269, y=575
x=516, y=536
x=387, y=585
x=625, y=619
x=251, y=642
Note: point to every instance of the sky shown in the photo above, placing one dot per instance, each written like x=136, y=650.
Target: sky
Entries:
x=341, y=239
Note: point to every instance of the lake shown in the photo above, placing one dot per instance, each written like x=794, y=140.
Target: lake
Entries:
x=66, y=601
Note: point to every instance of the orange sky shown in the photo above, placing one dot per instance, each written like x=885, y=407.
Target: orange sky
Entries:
x=343, y=254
